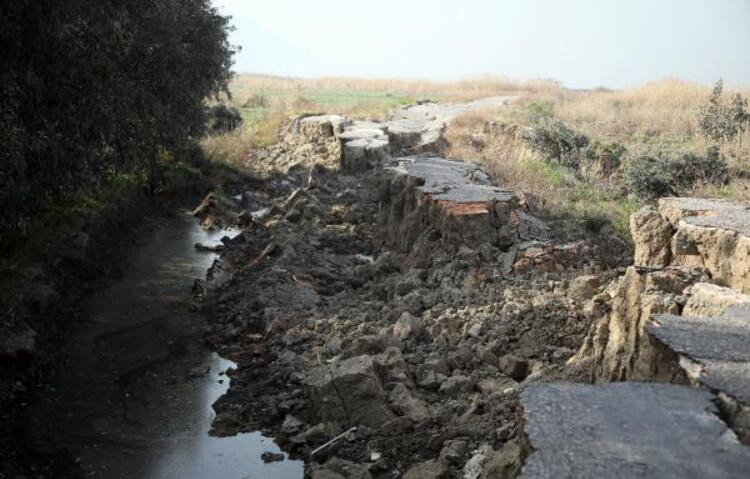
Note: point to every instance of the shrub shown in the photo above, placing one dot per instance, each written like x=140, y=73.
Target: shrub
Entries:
x=89, y=87
x=653, y=177
x=557, y=142
x=690, y=168
x=223, y=119
x=257, y=100
x=721, y=122
x=645, y=178
x=538, y=111
x=601, y=159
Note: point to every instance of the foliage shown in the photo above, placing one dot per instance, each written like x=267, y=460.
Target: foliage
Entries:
x=648, y=177
x=95, y=86
x=598, y=148
x=223, y=119
x=538, y=111
x=721, y=122
x=557, y=142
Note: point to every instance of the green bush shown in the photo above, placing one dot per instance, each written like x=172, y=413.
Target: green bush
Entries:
x=597, y=149
x=601, y=159
x=223, y=119
x=538, y=111
x=720, y=121
x=556, y=142
x=95, y=86
x=647, y=178
x=650, y=177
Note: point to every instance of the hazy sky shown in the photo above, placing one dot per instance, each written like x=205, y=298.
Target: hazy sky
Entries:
x=583, y=43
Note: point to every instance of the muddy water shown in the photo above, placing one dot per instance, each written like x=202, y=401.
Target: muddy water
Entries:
x=133, y=395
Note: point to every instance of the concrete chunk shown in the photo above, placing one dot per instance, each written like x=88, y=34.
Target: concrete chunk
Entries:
x=453, y=197
x=419, y=129
x=626, y=430
x=714, y=350
x=713, y=234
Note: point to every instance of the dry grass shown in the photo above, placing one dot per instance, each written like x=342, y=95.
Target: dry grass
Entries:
x=668, y=107
x=231, y=148
x=655, y=118
x=554, y=190
x=659, y=117
x=267, y=101
x=277, y=89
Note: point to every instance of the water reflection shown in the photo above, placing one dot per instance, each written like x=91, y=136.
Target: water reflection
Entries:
x=204, y=456
x=133, y=395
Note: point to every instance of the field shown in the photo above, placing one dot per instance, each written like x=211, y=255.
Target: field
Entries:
x=267, y=100
x=658, y=118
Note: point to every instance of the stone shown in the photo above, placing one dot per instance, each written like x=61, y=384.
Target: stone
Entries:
x=706, y=299
x=456, y=385
x=628, y=429
x=431, y=469
x=404, y=402
x=349, y=392
x=505, y=463
x=474, y=330
x=488, y=357
x=532, y=228
x=291, y=424
x=583, y=288
x=651, y=235
x=392, y=368
x=411, y=303
x=514, y=367
x=269, y=456
x=336, y=468
x=474, y=466
x=495, y=385
x=453, y=451
x=374, y=344
x=429, y=379
x=319, y=433
x=399, y=425
x=407, y=326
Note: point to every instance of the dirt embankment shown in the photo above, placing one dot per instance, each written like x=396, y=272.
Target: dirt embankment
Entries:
x=403, y=296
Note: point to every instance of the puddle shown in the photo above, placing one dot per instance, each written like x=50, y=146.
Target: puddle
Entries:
x=133, y=394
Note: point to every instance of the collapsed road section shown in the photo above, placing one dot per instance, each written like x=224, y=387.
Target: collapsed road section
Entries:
x=680, y=315
x=401, y=316
x=628, y=429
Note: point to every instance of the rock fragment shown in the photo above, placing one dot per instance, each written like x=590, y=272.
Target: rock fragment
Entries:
x=349, y=392
x=432, y=469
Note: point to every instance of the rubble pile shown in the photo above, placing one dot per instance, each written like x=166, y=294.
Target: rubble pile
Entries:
x=417, y=347
x=401, y=316
x=373, y=304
